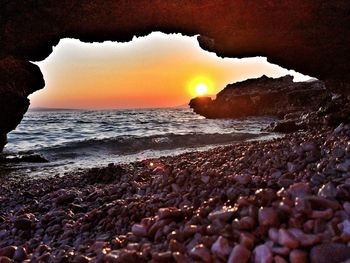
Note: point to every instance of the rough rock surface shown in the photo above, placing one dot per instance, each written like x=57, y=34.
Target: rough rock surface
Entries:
x=263, y=96
x=311, y=36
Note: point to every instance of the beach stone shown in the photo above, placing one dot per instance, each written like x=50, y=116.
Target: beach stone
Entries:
x=346, y=207
x=176, y=246
x=221, y=247
x=328, y=191
x=299, y=190
x=239, y=254
x=330, y=253
x=243, y=178
x=286, y=239
x=279, y=259
x=180, y=258
x=273, y=234
x=65, y=198
x=22, y=223
x=170, y=213
x=5, y=260
x=292, y=167
x=162, y=257
x=81, y=259
x=344, y=166
x=345, y=226
x=247, y=239
x=8, y=251
x=200, y=252
x=139, y=230
x=205, y=179
x=282, y=251
x=20, y=254
x=120, y=256
x=223, y=214
x=277, y=174
x=247, y=223
x=268, y=216
x=263, y=254
x=298, y=256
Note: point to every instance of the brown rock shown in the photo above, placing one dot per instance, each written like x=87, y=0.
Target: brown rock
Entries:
x=247, y=239
x=139, y=230
x=287, y=239
x=180, y=258
x=20, y=254
x=268, y=216
x=22, y=223
x=5, y=260
x=279, y=259
x=170, y=213
x=200, y=252
x=330, y=253
x=262, y=254
x=8, y=251
x=298, y=256
x=221, y=247
x=223, y=214
x=239, y=254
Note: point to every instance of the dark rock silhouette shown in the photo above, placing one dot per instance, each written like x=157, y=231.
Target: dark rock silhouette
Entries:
x=311, y=37
x=18, y=79
x=263, y=96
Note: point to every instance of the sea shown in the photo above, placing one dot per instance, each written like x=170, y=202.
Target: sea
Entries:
x=80, y=139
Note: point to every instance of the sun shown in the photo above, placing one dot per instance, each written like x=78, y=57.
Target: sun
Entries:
x=201, y=89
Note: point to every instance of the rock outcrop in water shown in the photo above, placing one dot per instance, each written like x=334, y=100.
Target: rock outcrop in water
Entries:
x=311, y=37
x=263, y=96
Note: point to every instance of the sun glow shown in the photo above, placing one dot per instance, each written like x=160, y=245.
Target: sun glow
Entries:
x=201, y=89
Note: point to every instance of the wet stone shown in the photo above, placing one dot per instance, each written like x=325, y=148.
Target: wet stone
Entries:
x=239, y=254
x=262, y=254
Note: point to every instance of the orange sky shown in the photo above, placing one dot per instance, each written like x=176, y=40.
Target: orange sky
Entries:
x=155, y=71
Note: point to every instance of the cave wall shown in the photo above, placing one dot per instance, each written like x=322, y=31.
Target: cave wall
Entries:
x=309, y=36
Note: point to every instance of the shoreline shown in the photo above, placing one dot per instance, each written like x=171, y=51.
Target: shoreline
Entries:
x=283, y=199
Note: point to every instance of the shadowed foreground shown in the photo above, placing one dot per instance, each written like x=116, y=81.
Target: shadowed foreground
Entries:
x=284, y=200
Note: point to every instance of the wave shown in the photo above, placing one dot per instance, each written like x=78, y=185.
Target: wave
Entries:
x=134, y=144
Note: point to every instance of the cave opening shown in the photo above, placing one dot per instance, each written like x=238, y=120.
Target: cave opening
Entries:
x=111, y=99
x=158, y=70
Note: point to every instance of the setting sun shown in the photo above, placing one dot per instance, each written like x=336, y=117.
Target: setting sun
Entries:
x=201, y=89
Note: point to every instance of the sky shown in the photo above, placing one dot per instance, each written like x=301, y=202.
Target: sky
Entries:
x=158, y=70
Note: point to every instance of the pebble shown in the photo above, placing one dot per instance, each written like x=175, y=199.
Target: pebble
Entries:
x=221, y=247
x=279, y=259
x=268, y=216
x=330, y=253
x=200, y=252
x=20, y=254
x=223, y=214
x=298, y=256
x=8, y=251
x=286, y=239
x=170, y=212
x=239, y=254
x=5, y=260
x=263, y=254
x=181, y=214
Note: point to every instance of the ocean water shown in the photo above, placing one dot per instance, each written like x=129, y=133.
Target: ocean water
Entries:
x=72, y=139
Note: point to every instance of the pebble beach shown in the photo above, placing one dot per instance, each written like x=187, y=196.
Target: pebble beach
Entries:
x=283, y=200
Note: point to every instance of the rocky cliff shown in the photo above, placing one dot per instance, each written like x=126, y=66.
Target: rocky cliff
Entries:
x=310, y=36
x=263, y=96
